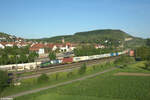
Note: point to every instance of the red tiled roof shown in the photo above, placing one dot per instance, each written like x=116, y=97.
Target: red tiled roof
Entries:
x=36, y=47
x=5, y=43
x=50, y=45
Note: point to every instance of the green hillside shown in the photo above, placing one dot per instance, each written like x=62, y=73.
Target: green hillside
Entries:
x=89, y=36
x=136, y=42
x=6, y=37
x=116, y=37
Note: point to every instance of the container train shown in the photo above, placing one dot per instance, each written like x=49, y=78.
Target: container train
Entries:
x=79, y=59
x=32, y=66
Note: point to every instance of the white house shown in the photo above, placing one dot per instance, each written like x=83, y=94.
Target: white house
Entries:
x=9, y=45
x=2, y=46
x=41, y=51
x=19, y=45
x=67, y=47
x=99, y=46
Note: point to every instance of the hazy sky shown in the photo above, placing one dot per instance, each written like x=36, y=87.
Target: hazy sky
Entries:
x=46, y=18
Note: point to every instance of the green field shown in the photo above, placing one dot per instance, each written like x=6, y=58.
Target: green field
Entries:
x=30, y=84
x=103, y=87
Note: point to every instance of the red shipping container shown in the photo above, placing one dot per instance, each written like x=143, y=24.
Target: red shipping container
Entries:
x=68, y=60
x=132, y=53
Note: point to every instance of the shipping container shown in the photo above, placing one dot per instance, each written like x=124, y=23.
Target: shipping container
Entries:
x=107, y=55
x=78, y=59
x=98, y=56
x=120, y=53
x=117, y=54
x=91, y=57
x=112, y=54
x=60, y=61
x=67, y=60
x=57, y=61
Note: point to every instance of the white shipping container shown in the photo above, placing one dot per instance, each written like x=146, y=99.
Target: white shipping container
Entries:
x=82, y=58
x=20, y=67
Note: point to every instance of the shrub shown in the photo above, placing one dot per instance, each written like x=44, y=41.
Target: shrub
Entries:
x=43, y=78
x=147, y=65
x=124, y=60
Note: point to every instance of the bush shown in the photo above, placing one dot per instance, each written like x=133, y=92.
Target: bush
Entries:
x=124, y=60
x=147, y=65
x=82, y=69
x=43, y=78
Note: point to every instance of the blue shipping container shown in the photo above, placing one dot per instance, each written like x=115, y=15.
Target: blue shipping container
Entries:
x=55, y=61
x=117, y=54
x=112, y=54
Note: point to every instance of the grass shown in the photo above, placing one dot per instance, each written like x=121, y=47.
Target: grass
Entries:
x=102, y=87
x=29, y=84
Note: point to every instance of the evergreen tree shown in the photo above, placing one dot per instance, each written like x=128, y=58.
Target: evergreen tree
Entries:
x=52, y=55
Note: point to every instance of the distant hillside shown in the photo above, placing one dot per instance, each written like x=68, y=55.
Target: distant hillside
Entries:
x=89, y=36
x=7, y=38
x=136, y=42
x=114, y=38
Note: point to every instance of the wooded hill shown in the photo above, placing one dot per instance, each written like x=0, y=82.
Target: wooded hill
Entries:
x=6, y=37
x=96, y=36
x=89, y=36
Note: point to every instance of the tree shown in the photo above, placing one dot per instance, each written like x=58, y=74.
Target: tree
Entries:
x=5, y=59
x=82, y=69
x=148, y=42
x=32, y=56
x=52, y=55
x=123, y=60
x=23, y=58
x=43, y=78
x=3, y=80
x=143, y=53
x=147, y=65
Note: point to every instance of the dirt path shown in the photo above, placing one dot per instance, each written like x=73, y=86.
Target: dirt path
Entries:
x=131, y=74
x=60, y=84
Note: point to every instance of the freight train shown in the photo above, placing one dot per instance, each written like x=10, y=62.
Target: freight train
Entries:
x=79, y=59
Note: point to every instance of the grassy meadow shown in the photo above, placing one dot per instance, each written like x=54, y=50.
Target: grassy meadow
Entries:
x=103, y=87
x=29, y=84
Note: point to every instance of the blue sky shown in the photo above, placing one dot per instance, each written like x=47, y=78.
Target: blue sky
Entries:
x=46, y=18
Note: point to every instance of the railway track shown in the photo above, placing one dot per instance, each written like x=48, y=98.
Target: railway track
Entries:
x=66, y=67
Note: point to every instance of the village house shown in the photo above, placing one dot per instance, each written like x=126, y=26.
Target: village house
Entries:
x=38, y=48
x=2, y=46
x=41, y=48
x=21, y=44
x=66, y=47
x=11, y=44
x=53, y=47
x=99, y=46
